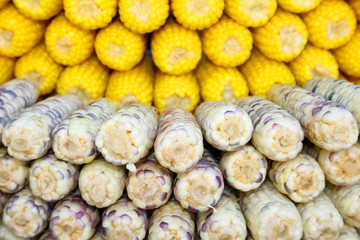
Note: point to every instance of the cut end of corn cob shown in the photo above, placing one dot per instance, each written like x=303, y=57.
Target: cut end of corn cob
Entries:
x=298, y=6
x=14, y=174
x=39, y=9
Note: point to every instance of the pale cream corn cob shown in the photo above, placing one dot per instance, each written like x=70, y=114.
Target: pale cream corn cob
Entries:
x=7, y=68
x=39, y=9
x=74, y=138
x=26, y=215
x=277, y=134
x=4, y=198
x=320, y=218
x=179, y=141
x=226, y=127
x=128, y=135
x=171, y=221
x=200, y=188
x=72, y=218
x=355, y=5
x=297, y=6
x=244, y=169
x=6, y=234
x=14, y=174
x=101, y=183
x=327, y=124
x=123, y=220
x=270, y=215
x=28, y=135
x=348, y=233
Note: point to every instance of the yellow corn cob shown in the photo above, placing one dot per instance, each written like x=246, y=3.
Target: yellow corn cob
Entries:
x=39, y=9
x=176, y=91
x=143, y=16
x=282, y=38
x=261, y=73
x=331, y=24
x=68, y=44
x=227, y=43
x=297, y=6
x=250, y=13
x=197, y=14
x=313, y=62
x=3, y=3
x=38, y=66
x=90, y=14
x=18, y=34
x=348, y=56
x=175, y=49
x=119, y=48
x=87, y=80
x=355, y=5
x=7, y=68
x=135, y=85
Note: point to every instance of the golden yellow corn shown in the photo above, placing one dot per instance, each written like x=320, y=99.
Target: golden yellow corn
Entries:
x=119, y=48
x=18, y=34
x=297, y=6
x=3, y=3
x=227, y=43
x=90, y=14
x=355, y=5
x=176, y=91
x=143, y=16
x=39, y=9
x=261, y=73
x=331, y=24
x=135, y=85
x=197, y=14
x=38, y=66
x=175, y=49
x=218, y=83
x=7, y=68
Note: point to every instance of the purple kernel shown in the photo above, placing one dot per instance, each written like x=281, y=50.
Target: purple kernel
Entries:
x=204, y=227
x=126, y=217
x=104, y=231
x=259, y=178
x=219, y=181
x=111, y=213
x=161, y=180
x=163, y=196
x=164, y=225
x=150, y=206
x=79, y=214
x=287, y=188
x=315, y=111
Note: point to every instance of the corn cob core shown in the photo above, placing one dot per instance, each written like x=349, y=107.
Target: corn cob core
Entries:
x=6, y=234
x=355, y=5
x=101, y=183
x=14, y=174
x=4, y=198
x=39, y=9
x=26, y=215
x=326, y=124
x=7, y=68
x=171, y=221
x=123, y=220
x=270, y=215
x=297, y=6
x=348, y=233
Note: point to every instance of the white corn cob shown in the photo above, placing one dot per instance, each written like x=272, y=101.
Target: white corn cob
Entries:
x=26, y=215
x=171, y=221
x=277, y=134
x=270, y=215
x=123, y=220
x=101, y=183
x=341, y=167
x=6, y=234
x=200, y=188
x=244, y=169
x=347, y=200
x=300, y=178
x=74, y=137
x=226, y=126
x=328, y=125
x=226, y=222
x=4, y=197
x=320, y=218
x=28, y=135
x=72, y=218
x=151, y=185
x=128, y=135
x=348, y=233
x=179, y=142
x=51, y=179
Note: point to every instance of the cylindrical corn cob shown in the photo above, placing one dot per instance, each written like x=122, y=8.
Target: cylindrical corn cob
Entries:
x=52, y=179
x=200, y=188
x=320, y=218
x=143, y=16
x=179, y=142
x=101, y=183
x=128, y=135
x=72, y=218
x=151, y=185
x=326, y=124
x=175, y=49
x=28, y=135
x=68, y=44
x=296, y=6
x=14, y=174
x=7, y=68
x=347, y=200
x=277, y=134
x=355, y=5
x=348, y=233
x=171, y=221
x=123, y=220
x=270, y=215
x=4, y=198
x=225, y=126
x=74, y=138
x=119, y=48
x=26, y=215
x=6, y=234
x=244, y=169
x=39, y=9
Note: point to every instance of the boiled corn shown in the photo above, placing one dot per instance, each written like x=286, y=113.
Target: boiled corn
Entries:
x=7, y=68
x=355, y=5
x=348, y=233
x=39, y=9
x=3, y=3
x=6, y=234
x=296, y=6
